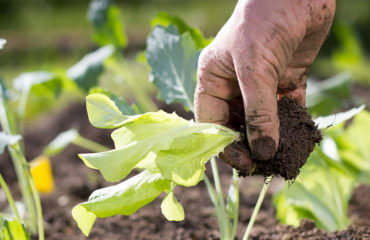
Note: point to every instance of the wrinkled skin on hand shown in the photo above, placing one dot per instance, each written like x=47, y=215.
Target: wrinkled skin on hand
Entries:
x=262, y=53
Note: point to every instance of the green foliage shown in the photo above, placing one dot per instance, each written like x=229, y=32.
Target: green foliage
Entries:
x=39, y=83
x=334, y=119
x=125, y=199
x=106, y=20
x=323, y=190
x=352, y=148
x=6, y=139
x=87, y=71
x=38, y=91
x=168, y=149
x=172, y=208
x=324, y=97
x=351, y=54
x=13, y=229
x=59, y=143
x=166, y=19
x=103, y=112
x=173, y=60
x=121, y=104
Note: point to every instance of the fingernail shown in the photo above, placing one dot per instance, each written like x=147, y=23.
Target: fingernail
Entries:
x=263, y=148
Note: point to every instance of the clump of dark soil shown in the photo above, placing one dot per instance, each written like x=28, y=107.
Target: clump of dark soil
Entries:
x=298, y=136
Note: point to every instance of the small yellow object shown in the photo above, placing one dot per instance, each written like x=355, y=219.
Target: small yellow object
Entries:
x=42, y=174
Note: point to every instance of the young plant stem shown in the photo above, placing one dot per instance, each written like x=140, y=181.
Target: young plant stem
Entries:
x=236, y=209
x=221, y=204
x=36, y=198
x=215, y=201
x=21, y=111
x=20, y=165
x=10, y=198
x=89, y=144
x=257, y=207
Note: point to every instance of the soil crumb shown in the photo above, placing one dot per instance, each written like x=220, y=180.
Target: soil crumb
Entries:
x=298, y=136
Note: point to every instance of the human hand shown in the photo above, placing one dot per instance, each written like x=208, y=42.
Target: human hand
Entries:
x=263, y=52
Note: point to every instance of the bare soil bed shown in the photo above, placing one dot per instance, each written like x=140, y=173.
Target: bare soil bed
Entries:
x=74, y=182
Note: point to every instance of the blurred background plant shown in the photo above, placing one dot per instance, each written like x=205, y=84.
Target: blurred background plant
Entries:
x=61, y=35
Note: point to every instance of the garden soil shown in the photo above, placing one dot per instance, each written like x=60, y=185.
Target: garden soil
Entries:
x=74, y=182
x=298, y=137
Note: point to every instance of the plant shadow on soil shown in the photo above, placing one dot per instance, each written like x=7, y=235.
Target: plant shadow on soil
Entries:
x=74, y=182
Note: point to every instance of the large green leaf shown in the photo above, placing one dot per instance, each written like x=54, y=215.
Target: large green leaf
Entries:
x=151, y=133
x=173, y=59
x=87, y=71
x=13, y=230
x=166, y=19
x=6, y=139
x=107, y=22
x=184, y=161
x=124, y=198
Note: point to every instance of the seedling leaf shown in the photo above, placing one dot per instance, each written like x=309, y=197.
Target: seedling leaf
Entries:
x=87, y=71
x=122, y=105
x=14, y=230
x=103, y=112
x=166, y=19
x=173, y=59
x=334, y=119
x=124, y=199
x=106, y=20
x=85, y=219
x=61, y=142
x=6, y=139
x=172, y=208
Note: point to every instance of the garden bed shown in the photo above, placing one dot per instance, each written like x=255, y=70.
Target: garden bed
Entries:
x=74, y=182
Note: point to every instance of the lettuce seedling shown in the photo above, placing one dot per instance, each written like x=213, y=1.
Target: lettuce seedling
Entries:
x=167, y=149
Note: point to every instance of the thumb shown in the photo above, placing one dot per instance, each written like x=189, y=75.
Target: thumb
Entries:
x=262, y=122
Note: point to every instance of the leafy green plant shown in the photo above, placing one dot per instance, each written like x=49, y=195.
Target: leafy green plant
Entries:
x=14, y=228
x=332, y=170
x=162, y=145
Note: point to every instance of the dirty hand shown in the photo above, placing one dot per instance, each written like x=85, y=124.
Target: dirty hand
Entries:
x=263, y=52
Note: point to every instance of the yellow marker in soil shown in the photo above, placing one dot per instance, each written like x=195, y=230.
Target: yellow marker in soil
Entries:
x=42, y=174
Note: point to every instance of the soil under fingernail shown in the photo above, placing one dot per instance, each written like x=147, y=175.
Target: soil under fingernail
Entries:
x=298, y=137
